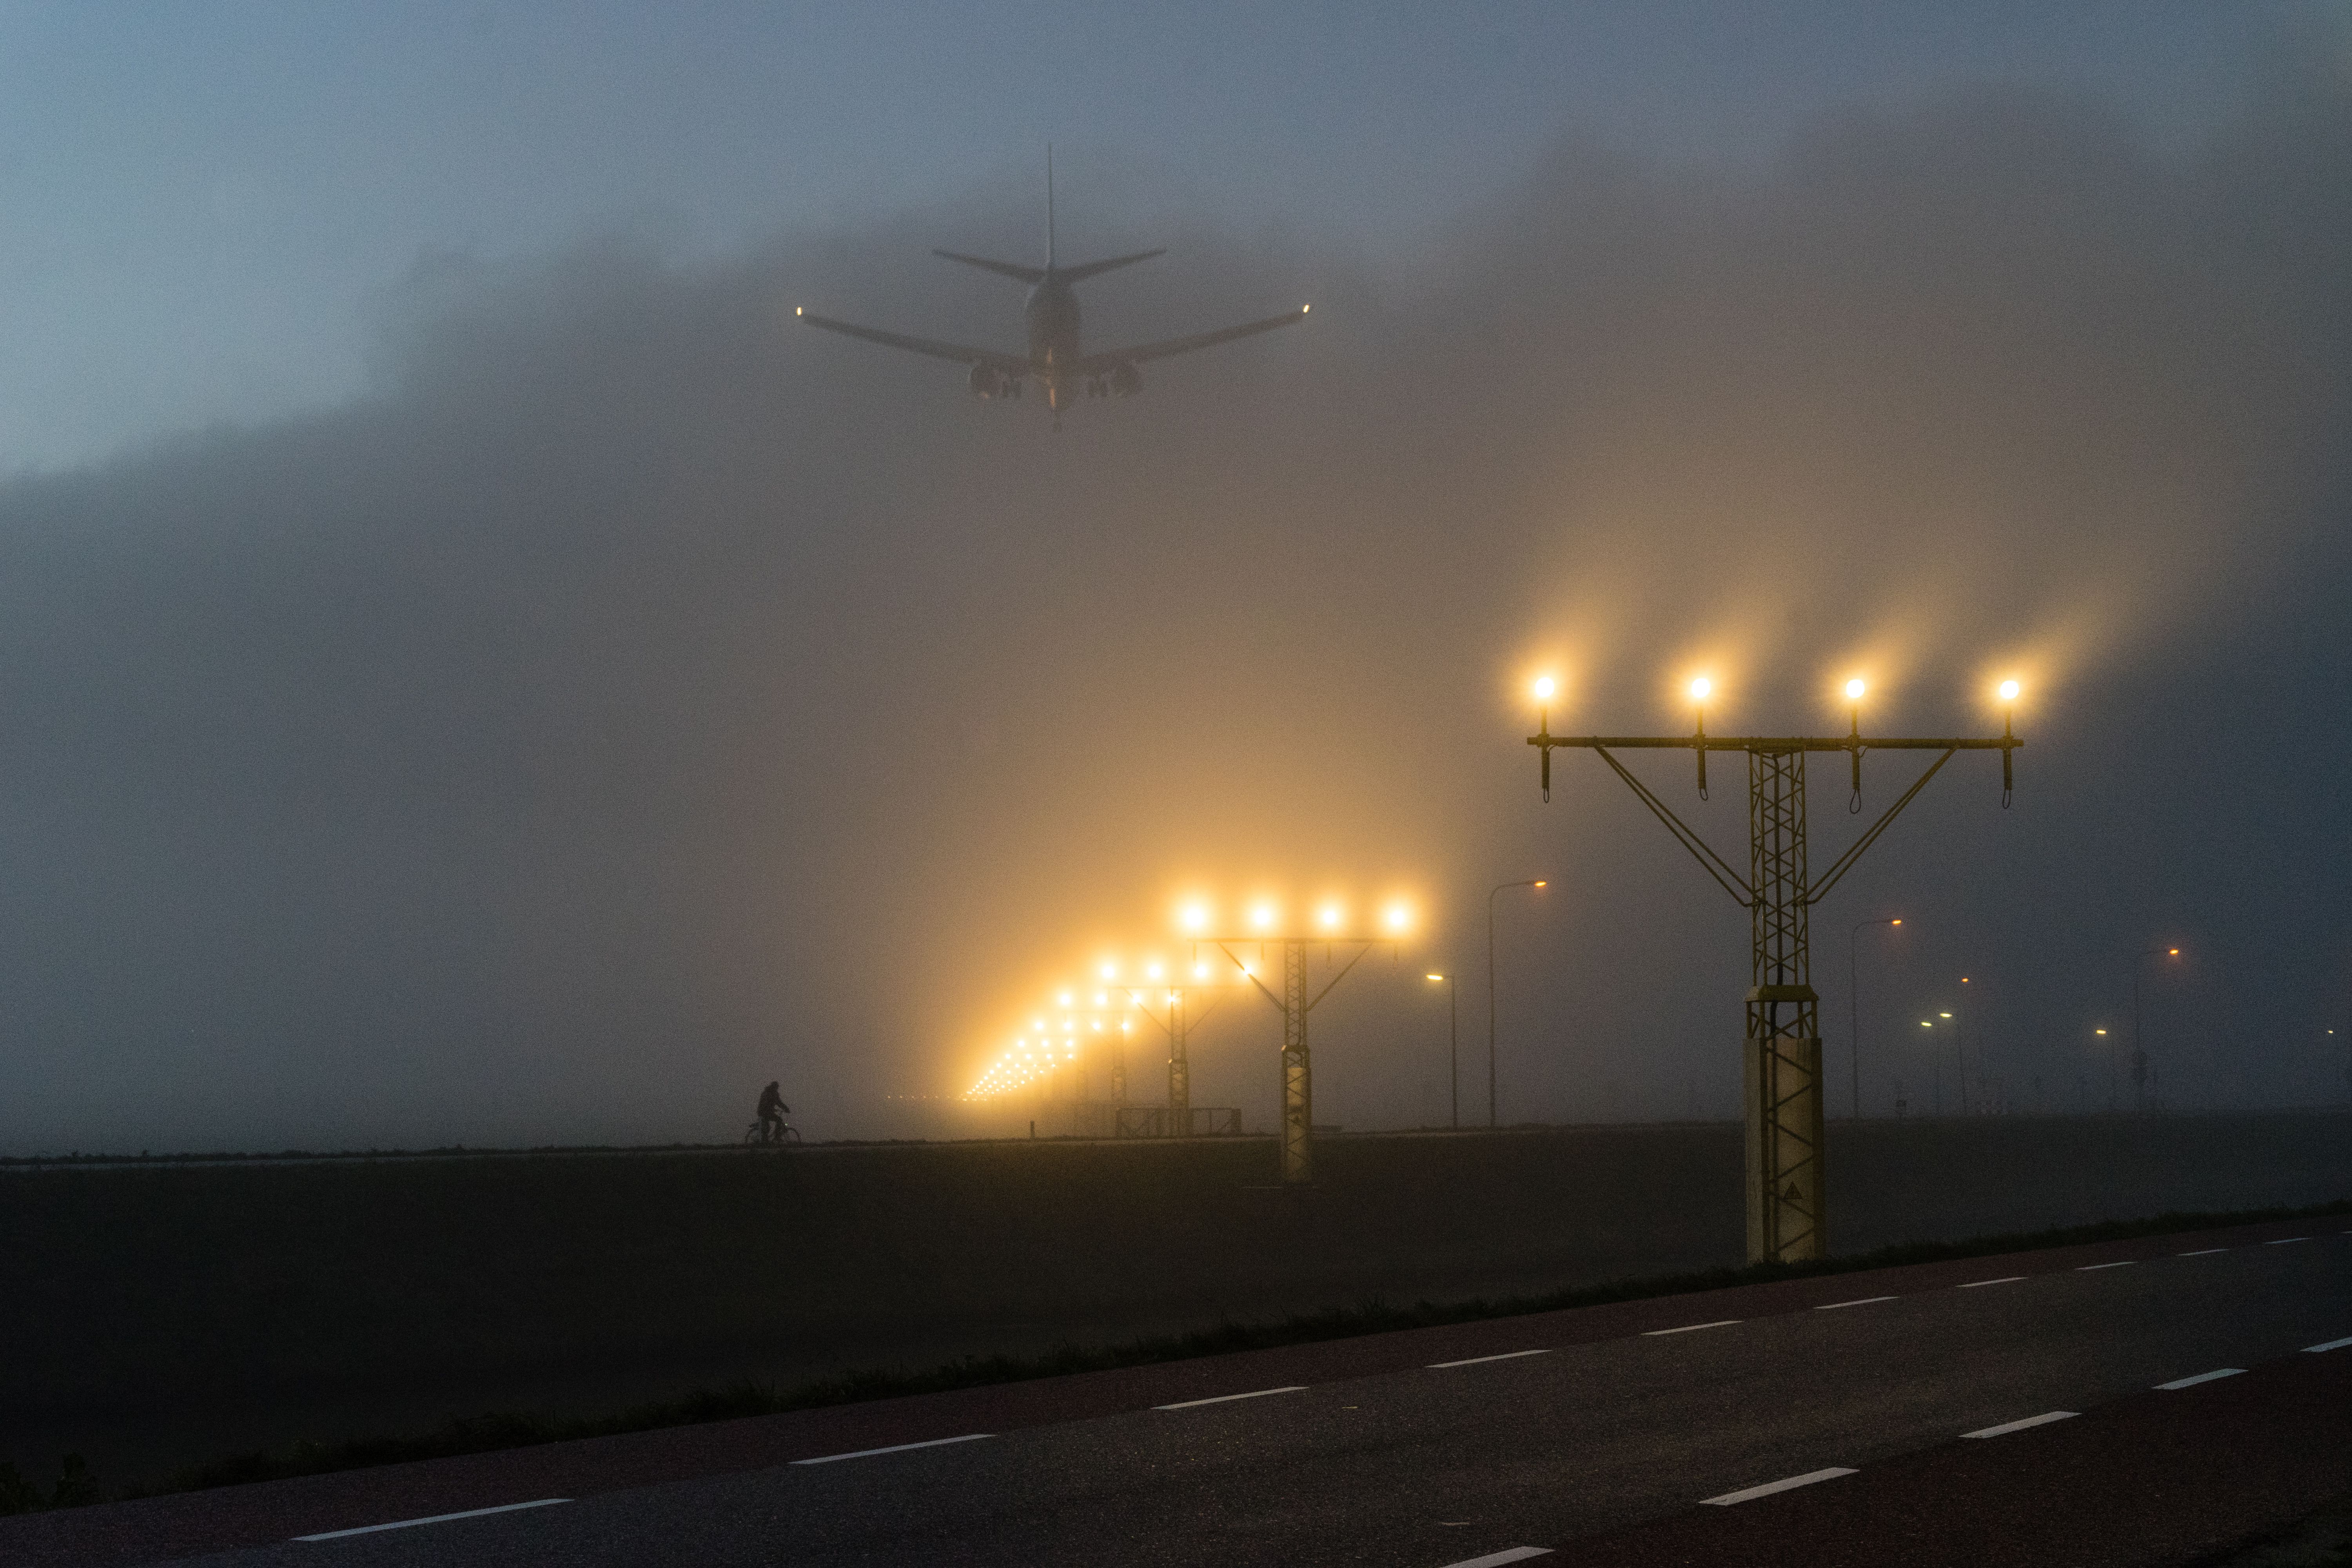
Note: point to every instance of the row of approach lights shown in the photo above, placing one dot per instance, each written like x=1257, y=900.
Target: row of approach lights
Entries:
x=1702, y=688
x=1042, y=1047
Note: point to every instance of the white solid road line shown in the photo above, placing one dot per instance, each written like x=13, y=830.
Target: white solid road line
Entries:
x=2004, y=1279
x=432, y=1519
x=1769, y=1488
x=1861, y=1301
x=1473, y=1361
x=896, y=1449
x=1497, y=1559
x=2201, y=1377
x=1223, y=1398
x=2330, y=1345
x=2006, y=1427
x=2285, y=1240
x=1689, y=1328
x=2201, y=1252
x=2126, y=1263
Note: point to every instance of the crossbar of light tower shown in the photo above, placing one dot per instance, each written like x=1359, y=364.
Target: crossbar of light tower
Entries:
x=1786, y=1201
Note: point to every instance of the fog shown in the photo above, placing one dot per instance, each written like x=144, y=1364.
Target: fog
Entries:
x=633, y=698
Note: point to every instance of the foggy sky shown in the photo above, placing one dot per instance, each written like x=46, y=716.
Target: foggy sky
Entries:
x=631, y=699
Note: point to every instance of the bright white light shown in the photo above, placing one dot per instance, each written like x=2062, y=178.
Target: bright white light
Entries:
x=2009, y=692
x=1700, y=688
x=1398, y=917
x=1065, y=998
x=1262, y=916
x=1153, y=972
x=1110, y=971
x=1434, y=977
x=1544, y=689
x=1329, y=916
x=1853, y=690
x=1200, y=971
x=1194, y=917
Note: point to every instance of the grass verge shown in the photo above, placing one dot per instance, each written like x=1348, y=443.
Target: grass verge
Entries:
x=479, y=1433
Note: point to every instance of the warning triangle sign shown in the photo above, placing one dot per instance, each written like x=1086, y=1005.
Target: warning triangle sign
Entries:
x=1793, y=1194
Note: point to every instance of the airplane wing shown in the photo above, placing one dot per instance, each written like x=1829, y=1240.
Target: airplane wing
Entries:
x=1096, y=365
x=1009, y=364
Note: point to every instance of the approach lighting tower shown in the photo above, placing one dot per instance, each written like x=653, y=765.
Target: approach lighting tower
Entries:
x=1295, y=1004
x=1787, y=1202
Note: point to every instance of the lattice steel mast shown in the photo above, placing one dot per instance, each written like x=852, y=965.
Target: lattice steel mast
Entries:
x=1786, y=1196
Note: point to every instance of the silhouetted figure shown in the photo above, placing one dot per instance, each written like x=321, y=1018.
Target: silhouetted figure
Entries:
x=772, y=1112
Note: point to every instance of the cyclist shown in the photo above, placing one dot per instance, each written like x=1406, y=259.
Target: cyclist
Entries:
x=772, y=1112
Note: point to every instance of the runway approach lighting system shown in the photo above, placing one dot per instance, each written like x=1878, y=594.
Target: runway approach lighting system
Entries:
x=1788, y=1220
x=1263, y=927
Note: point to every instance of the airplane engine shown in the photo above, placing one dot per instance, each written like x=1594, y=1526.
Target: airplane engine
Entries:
x=985, y=383
x=1126, y=381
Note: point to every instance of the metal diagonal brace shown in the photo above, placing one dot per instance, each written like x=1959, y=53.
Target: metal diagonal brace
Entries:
x=1338, y=977
x=1715, y=864
x=1845, y=863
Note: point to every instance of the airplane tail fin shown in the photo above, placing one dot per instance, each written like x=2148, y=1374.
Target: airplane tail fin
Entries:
x=1094, y=268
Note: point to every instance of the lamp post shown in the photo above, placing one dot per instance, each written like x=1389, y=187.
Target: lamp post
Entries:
x=1499, y=886
x=2139, y=1053
x=1853, y=999
x=1452, y=1044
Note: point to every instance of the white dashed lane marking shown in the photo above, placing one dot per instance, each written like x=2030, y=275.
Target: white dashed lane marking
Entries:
x=2006, y=1427
x=2087, y=1268
x=1228, y=1398
x=1859, y=1301
x=2004, y=1279
x=1690, y=1327
x=2202, y=1252
x=2330, y=1345
x=2201, y=1377
x=1497, y=1559
x=895, y=1449
x=1473, y=1361
x=432, y=1518
x=1769, y=1488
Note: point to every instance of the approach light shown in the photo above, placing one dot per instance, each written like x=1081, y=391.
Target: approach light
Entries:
x=1895, y=922
x=1153, y=972
x=1853, y=690
x=1065, y=998
x=2174, y=952
x=2009, y=692
x=1432, y=977
x=2103, y=1031
x=1700, y=688
x=1329, y=916
x=1399, y=917
x=1200, y=971
x=1539, y=884
x=1943, y=1015
x=1262, y=915
x=1102, y=999
x=1544, y=689
x=1110, y=971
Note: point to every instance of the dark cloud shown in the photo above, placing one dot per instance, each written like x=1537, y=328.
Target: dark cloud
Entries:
x=634, y=698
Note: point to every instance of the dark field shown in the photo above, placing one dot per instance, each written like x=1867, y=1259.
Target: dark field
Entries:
x=154, y=1317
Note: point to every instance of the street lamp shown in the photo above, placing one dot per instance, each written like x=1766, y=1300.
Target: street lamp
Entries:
x=2139, y=1053
x=1854, y=993
x=1499, y=886
x=1452, y=1046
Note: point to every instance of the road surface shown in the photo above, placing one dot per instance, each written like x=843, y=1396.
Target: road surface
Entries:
x=2131, y=1403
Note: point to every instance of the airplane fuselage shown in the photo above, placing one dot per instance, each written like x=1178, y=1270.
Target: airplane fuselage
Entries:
x=1052, y=314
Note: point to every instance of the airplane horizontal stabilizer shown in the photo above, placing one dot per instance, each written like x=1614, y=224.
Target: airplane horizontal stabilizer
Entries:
x=1012, y=269
x=1097, y=268
x=1096, y=364
x=1009, y=364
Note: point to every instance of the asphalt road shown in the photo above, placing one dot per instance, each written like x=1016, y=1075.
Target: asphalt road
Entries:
x=1627, y=1434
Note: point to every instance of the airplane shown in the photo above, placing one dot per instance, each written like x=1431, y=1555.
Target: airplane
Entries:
x=1062, y=368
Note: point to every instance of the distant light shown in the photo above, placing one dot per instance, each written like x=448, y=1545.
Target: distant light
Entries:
x=1544, y=689
x=1110, y=970
x=1153, y=972
x=1399, y=917
x=1854, y=689
x=1440, y=977
x=1262, y=915
x=1200, y=971
x=1925, y=1024
x=796, y=309
x=1895, y=922
x=1330, y=915
x=1539, y=884
x=1303, y=309
x=2009, y=692
x=2103, y=1031
x=1065, y=998
x=2174, y=954
x=1943, y=1015
x=1700, y=688
x=1195, y=916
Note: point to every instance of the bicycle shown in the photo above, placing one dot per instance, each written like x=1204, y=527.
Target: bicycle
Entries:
x=757, y=1136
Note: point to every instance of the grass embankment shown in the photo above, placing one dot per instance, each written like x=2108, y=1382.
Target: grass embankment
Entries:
x=506, y=1430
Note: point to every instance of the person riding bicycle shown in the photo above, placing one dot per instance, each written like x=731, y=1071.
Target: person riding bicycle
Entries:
x=772, y=1112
